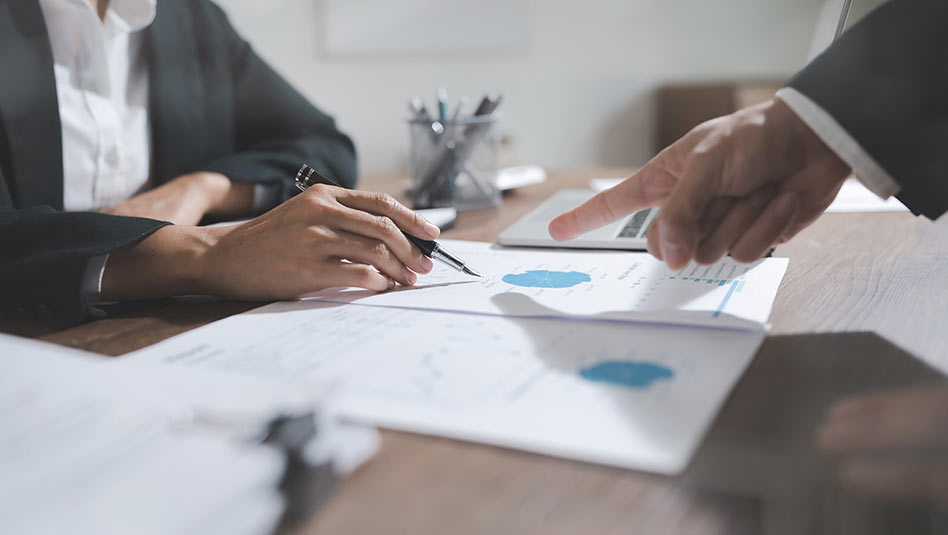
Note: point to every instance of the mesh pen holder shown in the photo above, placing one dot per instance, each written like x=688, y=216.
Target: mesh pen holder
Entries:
x=454, y=163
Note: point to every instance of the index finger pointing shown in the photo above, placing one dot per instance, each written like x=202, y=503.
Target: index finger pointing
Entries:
x=647, y=187
x=385, y=205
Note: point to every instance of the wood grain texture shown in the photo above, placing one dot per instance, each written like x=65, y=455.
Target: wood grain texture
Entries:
x=886, y=273
x=432, y=485
x=134, y=330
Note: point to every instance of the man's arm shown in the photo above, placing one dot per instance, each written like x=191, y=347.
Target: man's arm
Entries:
x=885, y=82
x=745, y=181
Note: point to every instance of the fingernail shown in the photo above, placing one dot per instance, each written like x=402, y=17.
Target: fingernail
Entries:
x=426, y=264
x=674, y=256
x=555, y=230
x=391, y=283
x=412, y=278
x=431, y=229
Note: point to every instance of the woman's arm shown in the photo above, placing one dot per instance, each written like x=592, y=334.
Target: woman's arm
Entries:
x=325, y=237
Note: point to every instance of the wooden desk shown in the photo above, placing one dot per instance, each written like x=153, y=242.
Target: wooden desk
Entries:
x=848, y=272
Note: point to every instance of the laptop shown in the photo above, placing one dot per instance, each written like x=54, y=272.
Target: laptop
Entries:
x=631, y=232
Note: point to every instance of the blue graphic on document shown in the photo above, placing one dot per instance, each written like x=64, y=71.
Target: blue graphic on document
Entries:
x=626, y=373
x=541, y=278
x=718, y=279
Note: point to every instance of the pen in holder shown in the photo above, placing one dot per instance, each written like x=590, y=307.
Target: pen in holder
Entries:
x=454, y=162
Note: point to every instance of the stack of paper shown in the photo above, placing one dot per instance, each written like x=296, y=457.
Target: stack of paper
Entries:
x=95, y=445
x=600, y=356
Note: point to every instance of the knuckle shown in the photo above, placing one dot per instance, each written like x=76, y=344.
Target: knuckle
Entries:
x=319, y=190
x=380, y=251
x=385, y=203
x=364, y=276
x=316, y=199
x=415, y=219
x=386, y=226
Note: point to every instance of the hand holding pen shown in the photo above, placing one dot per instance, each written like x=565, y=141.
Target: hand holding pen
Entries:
x=429, y=248
x=325, y=237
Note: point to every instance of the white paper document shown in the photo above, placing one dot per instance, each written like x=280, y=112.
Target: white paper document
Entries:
x=602, y=285
x=96, y=445
x=854, y=197
x=625, y=394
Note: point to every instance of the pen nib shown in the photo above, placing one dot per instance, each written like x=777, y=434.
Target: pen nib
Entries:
x=470, y=271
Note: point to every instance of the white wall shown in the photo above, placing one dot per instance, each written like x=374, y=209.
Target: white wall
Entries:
x=581, y=94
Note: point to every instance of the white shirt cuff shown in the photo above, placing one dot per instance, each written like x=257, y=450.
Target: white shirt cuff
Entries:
x=867, y=170
x=92, y=279
x=265, y=197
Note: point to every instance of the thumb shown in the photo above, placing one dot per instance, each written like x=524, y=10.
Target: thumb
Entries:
x=679, y=221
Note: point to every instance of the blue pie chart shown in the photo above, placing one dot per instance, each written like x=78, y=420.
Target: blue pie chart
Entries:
x=541, y=278
x=628, y=374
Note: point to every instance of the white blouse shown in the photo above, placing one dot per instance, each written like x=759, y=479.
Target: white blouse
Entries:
x=102, y=86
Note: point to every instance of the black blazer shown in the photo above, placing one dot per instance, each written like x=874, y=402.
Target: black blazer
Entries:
x=885, y=81
x=214, y=106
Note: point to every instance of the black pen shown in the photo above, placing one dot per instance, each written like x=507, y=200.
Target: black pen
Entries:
x=429, y=248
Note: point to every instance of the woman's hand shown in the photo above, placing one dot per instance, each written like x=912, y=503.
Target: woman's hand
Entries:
x=186, y=199
x=324, y=237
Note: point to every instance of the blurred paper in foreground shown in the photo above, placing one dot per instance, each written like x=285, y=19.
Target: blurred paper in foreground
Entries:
x=95, y=445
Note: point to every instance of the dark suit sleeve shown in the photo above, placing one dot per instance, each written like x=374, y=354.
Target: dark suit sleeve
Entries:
x=885, y=81
x=44, y=252
x=277, y=129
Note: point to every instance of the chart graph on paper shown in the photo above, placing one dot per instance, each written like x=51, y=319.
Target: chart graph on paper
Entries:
x=626, y=394
x=627, y=373
x=543, y=278
x=392, y=354
x=720, y=274
x=603, y=285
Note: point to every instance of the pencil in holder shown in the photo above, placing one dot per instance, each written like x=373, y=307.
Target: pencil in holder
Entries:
x=454, y=163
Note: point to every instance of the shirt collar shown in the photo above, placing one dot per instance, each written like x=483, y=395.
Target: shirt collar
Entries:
x=131, y=15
